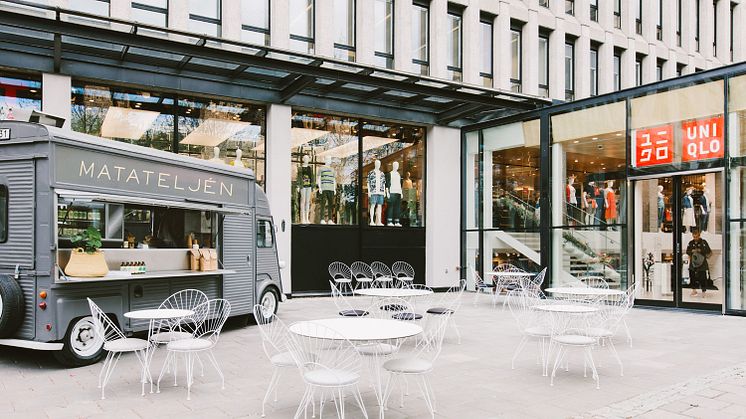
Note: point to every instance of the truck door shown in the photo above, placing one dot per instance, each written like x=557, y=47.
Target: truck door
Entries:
x=237, y=251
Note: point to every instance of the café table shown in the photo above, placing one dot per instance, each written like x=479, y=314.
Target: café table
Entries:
x=152, y=315
x=586, y=293
x=393, y=292
x=361, y=331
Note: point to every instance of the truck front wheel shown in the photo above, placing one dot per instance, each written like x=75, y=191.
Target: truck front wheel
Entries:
x=269, y=301
x=82, y=346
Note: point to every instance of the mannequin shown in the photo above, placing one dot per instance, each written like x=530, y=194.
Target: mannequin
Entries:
x=688, y=205
x=410, y=196
x=588, y=202
x=305, y=183
x=571, y=201
x=376, y=191
x=216, y=155
x=238, y=162
x=661, y=208
x=610, y=202
x=327, y=183
x=393, y=193
x=705, y=207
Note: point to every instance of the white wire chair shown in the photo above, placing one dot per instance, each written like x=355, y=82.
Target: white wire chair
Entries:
x=275, y=335
x=604, y=326
x=595, y=282
x=341, y=275
x=205, y=338
x=504, y=281
x=403, y=272
x=396, y=308
x=116, y=343
x=328, y=366
x=180, y=328
x=384, y=278
x=480, y=286
x=362, y=274
x=449, y=304
x=572, y=331
x=418, y=362
x=624, y=305
x=531, y=324
x=343, y=304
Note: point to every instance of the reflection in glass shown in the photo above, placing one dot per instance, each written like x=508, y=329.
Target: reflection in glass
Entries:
x=590, y=252
x=454, y=47
x=653, y=238
x=384, y=33
x=19, y=95
x=302, y=25
x=344, y=30
x=420, y=38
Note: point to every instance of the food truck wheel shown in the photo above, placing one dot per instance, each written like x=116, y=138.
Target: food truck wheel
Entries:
x=11, y=306
x=269, y=301
x=81, y=345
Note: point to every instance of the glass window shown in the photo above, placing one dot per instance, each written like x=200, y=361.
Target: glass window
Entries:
x=659, y=72
x=594, y=72
x=638, y=71
x=302, y=25
x=617, y=72
x=570, y=7
x=543, y=66
x=384, y=33
x=204, y=17
x=659, y=27
x=344, y=30
x=255, y=21
x=400, y=149
x=150, y=12
x=19, y=95
x=696, y=23
x=264, y=234
x=589, y=180
x=737, y=116
x=421, y=39
x=473, y=180
x=454, y=47
x=679, y=13
x=516, y=58
x=4, y=213
x=736, y=240
x=638, y=17
x=618, y=14
x=569, y=71
x=594, y=10
x=485, y=70
x=736, y=299
x=96, y=7
x=680, y=127
x=544, y=3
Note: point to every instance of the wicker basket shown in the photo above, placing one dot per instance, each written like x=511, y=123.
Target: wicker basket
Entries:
x=88, y=265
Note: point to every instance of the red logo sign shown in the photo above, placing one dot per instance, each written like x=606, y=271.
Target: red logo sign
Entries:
x=703, y=139
x=654, y=146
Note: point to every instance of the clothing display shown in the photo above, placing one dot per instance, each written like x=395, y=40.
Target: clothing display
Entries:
x=394, y=208
x=571, y=203
x=598, y=195
x=376, y=183
x=375, y=200
x=327, y=202
x=327, y=179
x=688, y=219
x=698, y=252
x=661, y=210
x=305, y=204
x=611, y=212
x=704, y=212
x=305, y=177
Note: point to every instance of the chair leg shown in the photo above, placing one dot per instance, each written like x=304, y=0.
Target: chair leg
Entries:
x=422, y=384
x=557, y=362
x=303, y=403
x=167, y=364
x=272, y=383
x=189, y=373
x=455, y=328
x=518, y=349
x=589, y=356
x=359, y=399
x=214, y=361
x=614, y=352
x=626, y=330
x=103, y=367
x=109, y=370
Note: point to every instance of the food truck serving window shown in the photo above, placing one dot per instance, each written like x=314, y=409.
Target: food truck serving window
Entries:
x=3, y=213
x=264, y=233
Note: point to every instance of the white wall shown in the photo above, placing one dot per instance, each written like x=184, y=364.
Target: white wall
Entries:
x=442, y=200
x=54, y=87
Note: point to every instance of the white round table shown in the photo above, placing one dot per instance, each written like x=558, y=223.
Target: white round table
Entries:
x=585, y=292
x=518, y=274
x=393, y=292
x=566, y=308
x=152, y=315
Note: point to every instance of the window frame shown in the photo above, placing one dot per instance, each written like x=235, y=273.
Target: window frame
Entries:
x=153, y=9
x=389, y=57
x=594, y=70
x=617, y=71
x=544, y=86
x=311, y=41
x=424, y=63
x=265, y=222
x=345, y=47
x=218, y=22
x=697, y=5
x=638, y=70
x=618, y=14
x=679, y=14
x=5, y=211
x=458, y=71
x=264, y=31
x=638, y=18
x=594, y=10
x=570, y=7
x=517, y=83
x=659, y=27
x=570, y=91
x=490, y=75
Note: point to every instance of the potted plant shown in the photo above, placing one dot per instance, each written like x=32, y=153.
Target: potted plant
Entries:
x=86, y=260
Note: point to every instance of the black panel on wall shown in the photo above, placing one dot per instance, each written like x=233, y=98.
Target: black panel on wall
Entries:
x=315, y=247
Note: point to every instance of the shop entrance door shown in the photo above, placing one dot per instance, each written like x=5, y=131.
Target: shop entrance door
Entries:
x=678, y=240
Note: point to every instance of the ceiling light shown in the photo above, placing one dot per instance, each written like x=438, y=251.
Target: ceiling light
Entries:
x=591, y=162
x=594, y=138
x=576, y=141
x=576, y=160
x=618, y=134
x=33, y=90
x=213, y=131
x=127, y=123
x=90, y=100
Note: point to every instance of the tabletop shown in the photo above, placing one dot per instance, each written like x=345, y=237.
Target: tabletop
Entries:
x=566, y=308
x=158, y=313
x=393, y=292
x=584, y=291
x=509, y=273
x=358, y=329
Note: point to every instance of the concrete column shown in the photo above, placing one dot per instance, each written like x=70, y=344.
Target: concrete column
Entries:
x=628, y=64
x=606, y=65
x=178, y=15
x=443, y=229
x=279, y=27
x=583, y=63
x=530, y=35
x=438, y=38
x=472, y=48
x=649, y=65
x=364, y=32
x=231, y=22
x=278, y=181
x=629, y=16
x=324, y=24
x=557, y=61
x=706, y=28
x=723, y=31
x=120, y=9
x=739, y=33
x=501, y=62
x=649, y=19
x=55, y=96
x=669, y=24
x=606, y=15
x=403, y=35
x=688, y=27
x=669, y=67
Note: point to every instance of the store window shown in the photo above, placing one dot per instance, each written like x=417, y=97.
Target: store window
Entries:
x=681, y=128
x=344, y=30
x=302, y=28
x=4, y=213
x=516, y=58
x=150, y=12
x=19, y=95
x=543, y=66
x=454, y=56
x=473, y=180
x=421, y=38
x=204, y=17
x=736, y=299
x=264, y=234
x=589, y=185
x=255, y=21
x=485, y=69
x=384, y=33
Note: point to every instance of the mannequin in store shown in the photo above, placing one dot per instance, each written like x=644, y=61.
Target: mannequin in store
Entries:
x=687, y=203
x=393, y=193
x=305, y=184
x=598, y=196
x=571, y=201
x=661, y=208
x=376, y=191
x=238, y=162
x=705, y=207
x=327, y=182
x=589, y=203
x=216, y=155
x=610, y=203
x=410, y=195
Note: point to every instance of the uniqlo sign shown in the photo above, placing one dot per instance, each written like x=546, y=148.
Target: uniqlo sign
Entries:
x=702, y=139
x=654, y=146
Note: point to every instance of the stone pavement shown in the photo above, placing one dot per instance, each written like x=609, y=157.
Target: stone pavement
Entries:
x=682, y=364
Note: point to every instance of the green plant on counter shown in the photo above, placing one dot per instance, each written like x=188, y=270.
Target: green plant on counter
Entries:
x=89, y=240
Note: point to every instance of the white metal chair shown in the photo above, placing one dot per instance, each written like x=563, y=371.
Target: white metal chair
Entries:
x=480, y=286
x=383, y=276
x=343, y=304
x=362, y=274
x=275, y=335
x=604, y=326
x=341, y=275
x=205, y=338
x=181, y=328
x=572, y=331
x=329, y=367
x=419, y=362
x=396, y=308
x=116, y=343
x=449, y=304
x=505, y=281
x=531, y=324
x=595, y=282
x=403, y=272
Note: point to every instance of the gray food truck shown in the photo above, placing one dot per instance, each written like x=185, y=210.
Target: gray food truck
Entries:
x=149, y=206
